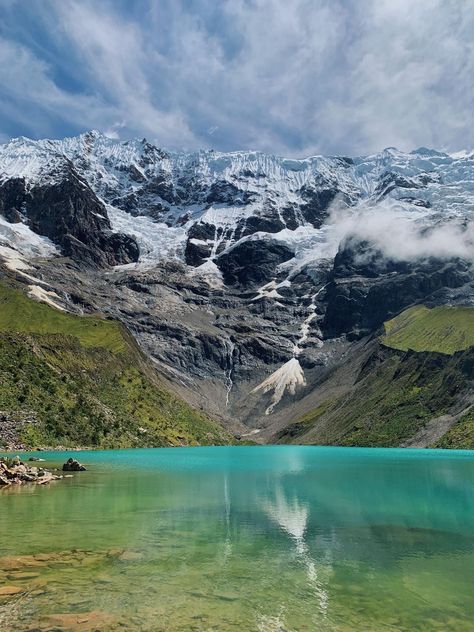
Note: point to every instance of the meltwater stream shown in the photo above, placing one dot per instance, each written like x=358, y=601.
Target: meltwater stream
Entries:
x=243, y=538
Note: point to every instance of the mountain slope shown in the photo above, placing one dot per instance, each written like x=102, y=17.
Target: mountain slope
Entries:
x=440, y=329
x=71, y=380
x=255, y=283
x=395, y=397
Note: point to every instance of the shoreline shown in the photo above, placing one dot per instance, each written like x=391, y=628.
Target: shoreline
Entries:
x=15, y=471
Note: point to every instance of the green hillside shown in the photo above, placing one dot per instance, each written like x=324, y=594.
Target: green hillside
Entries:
x=441, y=329
x=461, y=435
x=86, y=382
x=396, y=394
x=18, y=313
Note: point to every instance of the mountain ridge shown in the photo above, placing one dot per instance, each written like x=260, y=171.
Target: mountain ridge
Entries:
x=245, y=277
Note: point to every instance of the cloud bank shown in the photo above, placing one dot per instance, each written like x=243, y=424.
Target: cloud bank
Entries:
x=400, y=236
x=295, y=78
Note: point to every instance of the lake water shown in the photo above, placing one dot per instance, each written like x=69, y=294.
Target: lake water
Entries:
x=243, y=538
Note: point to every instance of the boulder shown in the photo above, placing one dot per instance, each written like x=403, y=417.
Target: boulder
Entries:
x=72, y=465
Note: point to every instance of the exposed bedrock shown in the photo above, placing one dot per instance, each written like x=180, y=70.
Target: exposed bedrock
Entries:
x=253, y=261
x=366, y=288
x=68, y=212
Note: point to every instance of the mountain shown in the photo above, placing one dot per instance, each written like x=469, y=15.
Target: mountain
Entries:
x=259, y=287
x=81, y=380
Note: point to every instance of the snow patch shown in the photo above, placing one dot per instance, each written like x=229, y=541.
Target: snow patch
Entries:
x=208, y=272
x=270, y=290
x=306, y=324
x=45, y=296
x=21, y=239
x=156, y=240
x=287, y=378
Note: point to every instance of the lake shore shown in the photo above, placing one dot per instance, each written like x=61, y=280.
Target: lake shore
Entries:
x=14, y=471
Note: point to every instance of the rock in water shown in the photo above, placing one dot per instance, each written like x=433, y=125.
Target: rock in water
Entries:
x=72, y=465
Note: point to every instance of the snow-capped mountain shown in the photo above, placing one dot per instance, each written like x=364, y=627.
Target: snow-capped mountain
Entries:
x=246, y=276
x=195, y=206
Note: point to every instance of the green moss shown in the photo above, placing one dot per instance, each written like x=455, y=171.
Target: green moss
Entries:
x=461, y=435
x=441, y=329
x=314, y=415
x=88, y=383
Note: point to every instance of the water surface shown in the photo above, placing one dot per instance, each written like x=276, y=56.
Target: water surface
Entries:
x=243, y=538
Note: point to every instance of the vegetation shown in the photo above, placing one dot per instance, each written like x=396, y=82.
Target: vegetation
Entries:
x=396, y=394
x=442, y=329
x=461, y=435
x=18, y=313
x=87, y=382
x=293, y=432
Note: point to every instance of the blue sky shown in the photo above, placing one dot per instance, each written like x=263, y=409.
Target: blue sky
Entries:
x=294, y=77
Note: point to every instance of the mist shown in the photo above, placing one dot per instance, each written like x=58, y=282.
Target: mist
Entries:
x=404, y=235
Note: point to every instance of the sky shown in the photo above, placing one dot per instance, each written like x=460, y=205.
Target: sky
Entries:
x=292, y=77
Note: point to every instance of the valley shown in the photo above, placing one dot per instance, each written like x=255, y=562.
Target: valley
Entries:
x=327, y=300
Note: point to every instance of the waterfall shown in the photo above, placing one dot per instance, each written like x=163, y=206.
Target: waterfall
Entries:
x=306, y=324
x=228, y=372
x=290, y=375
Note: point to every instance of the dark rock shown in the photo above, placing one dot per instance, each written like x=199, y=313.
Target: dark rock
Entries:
x=12, y=198
x=390, y=181
x=13, y=216
x=289, y=215
x=253, y=261
x=199, y=244
x=261, y=223
x=67, y=211
x=197, y=252
x=223, y=192
x=124, y=247
x=367, y=288
x=317, y=201
x=72, y=465
x=162, y=185
x=202, y=230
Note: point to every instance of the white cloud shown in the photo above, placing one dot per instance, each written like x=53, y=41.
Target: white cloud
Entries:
x=31, y=97
x=399, y=236
x=329, y=76
x=118, y=60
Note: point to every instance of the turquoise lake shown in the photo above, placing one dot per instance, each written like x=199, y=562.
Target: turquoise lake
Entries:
x=243, y=538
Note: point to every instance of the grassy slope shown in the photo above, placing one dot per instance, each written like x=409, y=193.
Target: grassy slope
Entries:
x=461, y=435
x=441, y=329
x=18, y=313
x=88, y=382
x=399, y=392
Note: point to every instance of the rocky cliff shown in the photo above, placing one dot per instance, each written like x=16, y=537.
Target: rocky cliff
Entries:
x=256, y=284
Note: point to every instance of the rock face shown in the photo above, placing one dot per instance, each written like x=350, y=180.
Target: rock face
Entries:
x=247, y=265
x=68, y=212
x=367, y=289
x=253, y=261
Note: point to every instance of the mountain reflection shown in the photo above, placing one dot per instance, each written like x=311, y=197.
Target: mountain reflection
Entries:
x=291, y=515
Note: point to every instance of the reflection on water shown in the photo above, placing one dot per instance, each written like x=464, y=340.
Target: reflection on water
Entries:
x=271, y=538
x=292, y=517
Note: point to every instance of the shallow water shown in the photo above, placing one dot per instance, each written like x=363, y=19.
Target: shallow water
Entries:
x=243, y=538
